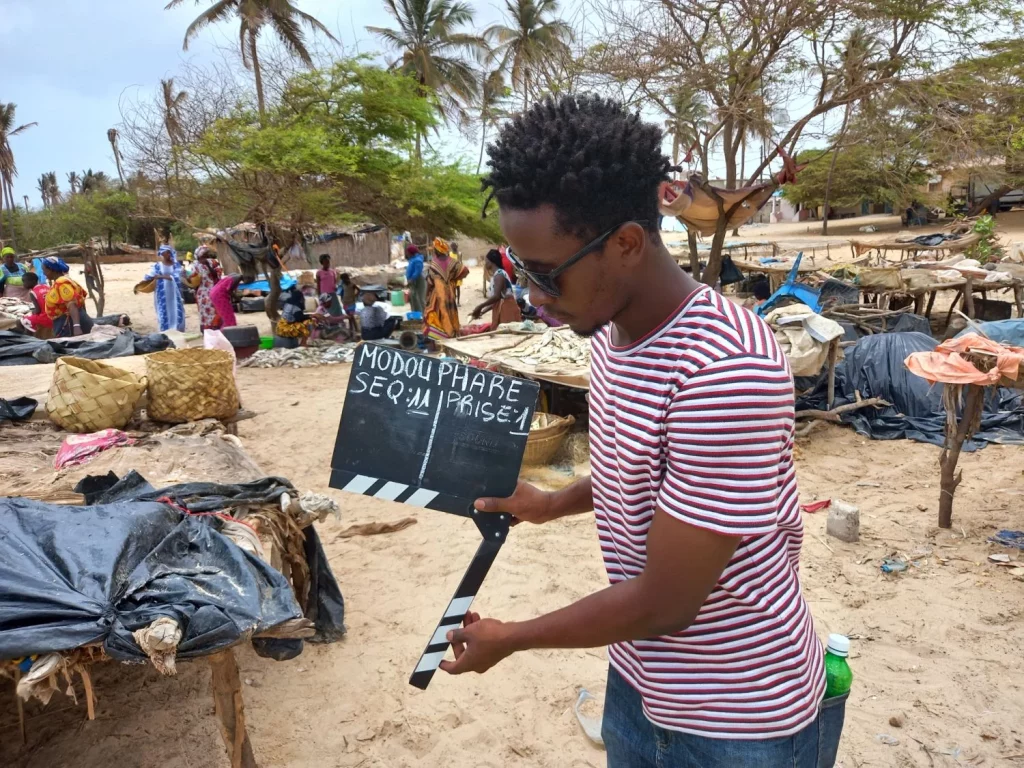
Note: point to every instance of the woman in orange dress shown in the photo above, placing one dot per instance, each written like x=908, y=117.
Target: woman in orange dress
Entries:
x=65, y=301
x=441, y=317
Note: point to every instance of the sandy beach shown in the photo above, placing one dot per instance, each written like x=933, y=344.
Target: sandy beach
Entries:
x=937, y=648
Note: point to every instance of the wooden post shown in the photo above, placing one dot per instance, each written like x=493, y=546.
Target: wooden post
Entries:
x=956, y=433
x=230, y=711
x=969, y=297
x=1018, y=299
x=931, y=303
x=833, y=355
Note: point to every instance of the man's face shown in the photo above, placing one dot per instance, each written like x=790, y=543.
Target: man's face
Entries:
x=9, y=260
x=593, y=290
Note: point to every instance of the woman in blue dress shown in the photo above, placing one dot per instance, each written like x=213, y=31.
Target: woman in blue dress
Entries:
x=170, y=309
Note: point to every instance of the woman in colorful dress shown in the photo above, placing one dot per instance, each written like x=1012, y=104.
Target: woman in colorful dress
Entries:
x=209, y=274
x=441, y=317
x=167, y=301
x=65, y=300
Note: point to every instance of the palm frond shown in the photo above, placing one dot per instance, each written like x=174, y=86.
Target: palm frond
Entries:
x=217, y=12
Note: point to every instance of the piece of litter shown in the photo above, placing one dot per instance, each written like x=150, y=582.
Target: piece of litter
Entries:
x=885, y=738
x=591, y=725
x=816, y=506
x=1017, y=571
x=896, y=564
x=868, y=484
x=1009, y=539
x=1000, y=558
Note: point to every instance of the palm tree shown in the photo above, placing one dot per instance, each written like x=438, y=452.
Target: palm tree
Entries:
x=44, y=190
x=112, y=138
x=531, y=42
x=8, y=168
x=172, y=111
x=53, y=191
x=73, y=182
x=94, y=181
x=25, y=198
x=279, y=15
x=434, y=52
x=492, y=93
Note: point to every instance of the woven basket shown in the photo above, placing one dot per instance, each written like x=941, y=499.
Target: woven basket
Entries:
x=546, y=438
x=87, y=395
x=191, y=384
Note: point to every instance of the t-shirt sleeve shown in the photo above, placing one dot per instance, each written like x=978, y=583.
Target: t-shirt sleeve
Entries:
x=729, y=431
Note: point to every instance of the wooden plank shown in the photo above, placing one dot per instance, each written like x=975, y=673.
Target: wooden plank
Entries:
x=230, y=710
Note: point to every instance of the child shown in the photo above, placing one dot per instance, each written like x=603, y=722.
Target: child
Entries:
x=327, y=282
x=349, y=295
x=38, y=322
x=374, y=322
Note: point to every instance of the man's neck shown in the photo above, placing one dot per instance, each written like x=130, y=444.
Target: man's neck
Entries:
x=663, y=290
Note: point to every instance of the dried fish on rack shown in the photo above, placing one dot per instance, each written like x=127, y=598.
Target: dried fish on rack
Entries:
x=302, y=357
x=555, y=349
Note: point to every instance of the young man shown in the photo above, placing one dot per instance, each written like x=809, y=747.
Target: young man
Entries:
x=714, y=660
x=374, y=322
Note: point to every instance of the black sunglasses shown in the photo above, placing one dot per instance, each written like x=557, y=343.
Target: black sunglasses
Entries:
x=546, y=281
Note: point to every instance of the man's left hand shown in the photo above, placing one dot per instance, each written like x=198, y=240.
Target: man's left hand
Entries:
x=478, y=646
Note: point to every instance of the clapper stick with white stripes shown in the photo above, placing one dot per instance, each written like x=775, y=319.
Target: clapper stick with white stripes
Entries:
x=493, y=528
x=455, y=613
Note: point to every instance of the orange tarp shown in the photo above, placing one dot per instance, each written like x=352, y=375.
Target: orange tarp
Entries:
x=946, y=363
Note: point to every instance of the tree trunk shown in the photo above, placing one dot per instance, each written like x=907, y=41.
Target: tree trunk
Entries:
x=983, y=204
x=260, y=103
x=956, y=433
x=419, y=156
x=832, y=169
x=743, y=167
x=10, y=212
x=117, y=160
x=714, y=268
x=691, y=240
x=483, y=141
x=729, y=151
x=526, y=90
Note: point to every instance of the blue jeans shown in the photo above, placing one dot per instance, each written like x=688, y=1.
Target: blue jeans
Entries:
x=633, y=741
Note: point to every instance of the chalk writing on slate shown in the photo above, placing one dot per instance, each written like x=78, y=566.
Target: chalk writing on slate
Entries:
x=436, y=434
x=430, y=423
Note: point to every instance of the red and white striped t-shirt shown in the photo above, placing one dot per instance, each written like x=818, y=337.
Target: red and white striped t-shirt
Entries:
x=697, y=418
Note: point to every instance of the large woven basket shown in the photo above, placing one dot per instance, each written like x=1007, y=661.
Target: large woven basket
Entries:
x=87, y=395
x=547, y=434
x=191, y=384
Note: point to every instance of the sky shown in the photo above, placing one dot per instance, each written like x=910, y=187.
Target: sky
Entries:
x=68, y=64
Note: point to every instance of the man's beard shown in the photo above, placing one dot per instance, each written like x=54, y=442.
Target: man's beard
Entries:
x=587, y=334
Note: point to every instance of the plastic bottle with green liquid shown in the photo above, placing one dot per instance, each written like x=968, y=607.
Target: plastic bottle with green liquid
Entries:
x=838, y=676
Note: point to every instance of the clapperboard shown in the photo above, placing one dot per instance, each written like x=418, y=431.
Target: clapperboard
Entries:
x=438, y=434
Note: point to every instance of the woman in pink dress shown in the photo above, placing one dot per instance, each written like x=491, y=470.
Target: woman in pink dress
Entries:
x=220, y=299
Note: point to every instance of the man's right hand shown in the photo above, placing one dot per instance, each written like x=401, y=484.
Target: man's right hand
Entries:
x=527, y=503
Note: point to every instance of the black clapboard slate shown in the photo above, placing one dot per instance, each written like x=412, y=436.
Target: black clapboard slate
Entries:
x=438, y=434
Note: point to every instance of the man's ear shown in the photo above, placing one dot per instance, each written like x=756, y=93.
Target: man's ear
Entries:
x=631, y=239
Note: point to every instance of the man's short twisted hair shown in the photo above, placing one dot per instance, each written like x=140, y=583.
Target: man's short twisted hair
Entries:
x=595, y=162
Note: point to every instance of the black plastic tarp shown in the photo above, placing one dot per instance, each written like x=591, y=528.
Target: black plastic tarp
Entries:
x=324, y=604
x=874, y=368
x=70, y=576
x=19, y=349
